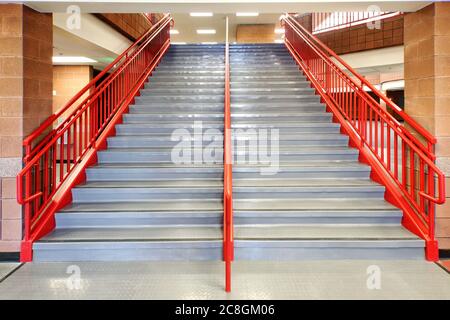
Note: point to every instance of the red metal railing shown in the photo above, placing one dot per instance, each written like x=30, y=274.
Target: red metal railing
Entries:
x=327, y=21
x=53, y=164
x=228, y=242
x=401, y=161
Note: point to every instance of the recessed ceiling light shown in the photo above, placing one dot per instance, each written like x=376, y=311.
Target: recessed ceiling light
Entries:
x=177, y=42
x=65, y=59
x=201, y=14
x=209, y=42
x=279, y=30
x=174, y=31
x=206, y=31
x=247, y=14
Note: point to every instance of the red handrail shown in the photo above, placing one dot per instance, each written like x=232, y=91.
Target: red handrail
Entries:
x=89, y=89
x=83, y=131
x=228, y=241
x=399, y=160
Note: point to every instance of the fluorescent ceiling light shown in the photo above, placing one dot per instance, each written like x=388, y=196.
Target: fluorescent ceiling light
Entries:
x=178, y=42
x=65, y=59
x=206, y=31
x=279, y=30
x=247, y=14
x=201, y=14
x=278, y=41
x=209, y=42
x=174, y=31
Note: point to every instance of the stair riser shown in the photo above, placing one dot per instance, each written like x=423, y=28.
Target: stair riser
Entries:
x=181, y=91
x=153, y=157
x=121, y=220
x=144, y=118
x=219, y=108
x=332, y=253
x=239, y=220
x=129, y=195
x=129, y=254
x=324, y=194
x=143, y=175
x=313, y=174
x=135, y=143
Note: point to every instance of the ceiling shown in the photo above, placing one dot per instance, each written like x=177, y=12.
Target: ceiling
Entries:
x=223, y=6
x=187, y=26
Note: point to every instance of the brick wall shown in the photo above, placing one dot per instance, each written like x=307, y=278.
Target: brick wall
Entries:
x=360, y=37
x=131, y=25
x=25, y=101
x=67, y=82
x=427, y=94
x=255, y=33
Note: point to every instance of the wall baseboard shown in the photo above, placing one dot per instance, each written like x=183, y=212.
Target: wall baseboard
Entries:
x=9, y=256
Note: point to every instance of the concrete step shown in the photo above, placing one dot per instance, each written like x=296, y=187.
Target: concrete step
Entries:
x=164, y=140
x=128, y=171
x=297, y=242
x=177, y=189
x=152, y=155
x=130, y=244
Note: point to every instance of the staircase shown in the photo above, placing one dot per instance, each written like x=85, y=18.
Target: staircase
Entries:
x=321, y=203
x=138, y=205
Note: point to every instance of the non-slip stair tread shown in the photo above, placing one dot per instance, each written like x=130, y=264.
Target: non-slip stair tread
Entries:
x=168, y=183
x=179, y=233
x=151, y=205
x=322, y=232
x=310, y=204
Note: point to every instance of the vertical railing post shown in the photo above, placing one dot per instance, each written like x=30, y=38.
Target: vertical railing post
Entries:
x=228, y=247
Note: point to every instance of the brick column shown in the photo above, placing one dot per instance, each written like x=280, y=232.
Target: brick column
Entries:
x=427, y=88
x=25, y=101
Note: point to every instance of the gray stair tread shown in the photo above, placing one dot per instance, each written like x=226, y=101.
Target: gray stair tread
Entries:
x=313, y=204
x=299, y=149
x=151, y=205
x=169, y=183
x=169, y=165
x=191, y=233
x=204, y=182
x=322, y=232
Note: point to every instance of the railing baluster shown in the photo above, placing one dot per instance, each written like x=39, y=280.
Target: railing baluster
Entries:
x=358, y=111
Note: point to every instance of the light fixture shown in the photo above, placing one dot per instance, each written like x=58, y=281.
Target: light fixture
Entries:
x=174, y=31
x=66, y=59
x=210, y=42
x=177, y=42
x=279, y=30
x=247, y=14
x=201, y=14
x=206, y=31
x=278, y=41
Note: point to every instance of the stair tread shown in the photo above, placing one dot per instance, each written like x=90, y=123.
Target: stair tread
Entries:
x=248, y=232
x=322, y=232
x=313, y=204
x=190, y=233
x=257, y=183
x=150, y=205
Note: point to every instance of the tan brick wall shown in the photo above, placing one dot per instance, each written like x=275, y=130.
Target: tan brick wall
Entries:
x=427, y=84
x=360, y=38
x=67, y=82
x=131, y=25
x=25, y=101
x=255, y=33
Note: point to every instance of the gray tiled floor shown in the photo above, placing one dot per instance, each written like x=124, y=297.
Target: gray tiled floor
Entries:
x=6, y=268
x=251, y=280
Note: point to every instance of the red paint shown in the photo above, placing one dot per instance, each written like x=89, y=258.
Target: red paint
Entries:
x=409, y=175
x=77, y=139
x=228, y=241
